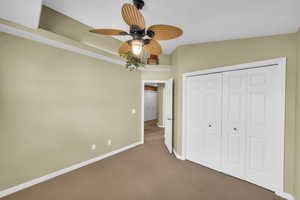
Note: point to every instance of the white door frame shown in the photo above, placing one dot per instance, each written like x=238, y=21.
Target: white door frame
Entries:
x=143, y=101
x=281, y=62
x=164, y=108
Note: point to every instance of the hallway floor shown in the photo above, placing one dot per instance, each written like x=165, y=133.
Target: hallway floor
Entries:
x=152, y=131
x=146, y=172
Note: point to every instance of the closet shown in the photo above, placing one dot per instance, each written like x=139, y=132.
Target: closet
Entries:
x=234, y=123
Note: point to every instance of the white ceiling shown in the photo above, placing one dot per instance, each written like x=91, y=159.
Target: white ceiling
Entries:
x=201, y=20
x=21, y=12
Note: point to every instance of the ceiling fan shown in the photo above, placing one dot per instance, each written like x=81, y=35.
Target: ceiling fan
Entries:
x=142, y=39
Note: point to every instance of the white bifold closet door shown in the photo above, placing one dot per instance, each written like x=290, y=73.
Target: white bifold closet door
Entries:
x=234, y=124
x=204, y=119
x=251, y=125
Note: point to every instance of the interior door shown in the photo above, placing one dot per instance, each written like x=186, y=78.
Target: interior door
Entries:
x=233, y=123
x=204, y=119
x=169, y=115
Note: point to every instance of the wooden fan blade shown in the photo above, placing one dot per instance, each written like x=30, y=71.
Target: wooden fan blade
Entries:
x=132, y=16
x=153, y=48
x=165, y=32
x=124, y=48
x=109, y=32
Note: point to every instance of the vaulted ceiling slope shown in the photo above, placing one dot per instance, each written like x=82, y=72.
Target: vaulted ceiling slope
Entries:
x=201, y=20
x=60, y=24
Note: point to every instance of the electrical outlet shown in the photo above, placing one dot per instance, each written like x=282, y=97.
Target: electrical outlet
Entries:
x=94, y=146
x=109, y=142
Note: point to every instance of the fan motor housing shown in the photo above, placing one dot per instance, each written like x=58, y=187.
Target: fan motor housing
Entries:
x=150, y=33
x=136, y=32
x=139, y=4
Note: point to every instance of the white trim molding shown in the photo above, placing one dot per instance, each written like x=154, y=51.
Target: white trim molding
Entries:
x=63, y=171
x=287, y=196
x=280, y=62
x=154, y=69
x=177, y=155
x=265, y=63
x=160, y=126
x=41, y=39
x=37, y=38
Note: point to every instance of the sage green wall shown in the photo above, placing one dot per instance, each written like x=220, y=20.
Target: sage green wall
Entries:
x=160, y=93
x=196, y=57
x=153, y=75
x=55, y=104
x=297, y=186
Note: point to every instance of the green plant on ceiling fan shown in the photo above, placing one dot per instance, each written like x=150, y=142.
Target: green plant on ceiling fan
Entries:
x=132, y=62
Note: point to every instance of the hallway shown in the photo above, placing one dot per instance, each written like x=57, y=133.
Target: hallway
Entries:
x=152, y=131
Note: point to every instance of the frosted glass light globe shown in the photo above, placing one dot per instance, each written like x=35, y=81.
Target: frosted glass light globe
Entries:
x=137, y=47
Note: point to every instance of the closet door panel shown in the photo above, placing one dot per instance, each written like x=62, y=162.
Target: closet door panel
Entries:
x=233, y=123
x=263, y=111
x=204, y=119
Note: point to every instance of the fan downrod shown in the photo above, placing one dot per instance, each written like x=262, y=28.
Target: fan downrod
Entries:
x=139, y=4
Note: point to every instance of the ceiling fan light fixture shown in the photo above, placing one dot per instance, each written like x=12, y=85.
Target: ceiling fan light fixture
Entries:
x=137, y=47
x=144, y=40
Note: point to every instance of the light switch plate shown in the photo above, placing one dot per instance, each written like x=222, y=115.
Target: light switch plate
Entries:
x=133, y=111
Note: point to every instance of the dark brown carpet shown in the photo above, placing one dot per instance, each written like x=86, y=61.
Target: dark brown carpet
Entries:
x=146, y=172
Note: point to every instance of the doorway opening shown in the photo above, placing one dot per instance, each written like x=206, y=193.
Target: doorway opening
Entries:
x=154, y=111
x=157, y=114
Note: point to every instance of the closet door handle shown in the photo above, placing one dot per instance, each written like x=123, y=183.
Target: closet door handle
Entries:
x=209, y=125
x=235, y=129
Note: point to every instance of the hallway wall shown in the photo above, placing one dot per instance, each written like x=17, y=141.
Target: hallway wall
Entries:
x=160, y=91
x=297, y=155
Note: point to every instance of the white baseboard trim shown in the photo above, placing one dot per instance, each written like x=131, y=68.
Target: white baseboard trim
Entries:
x=160, y=126
x=177, y=155
x=285, y=195
x=25, y=185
